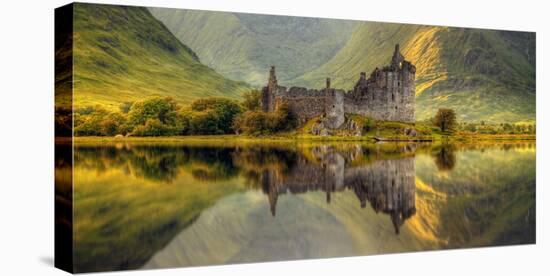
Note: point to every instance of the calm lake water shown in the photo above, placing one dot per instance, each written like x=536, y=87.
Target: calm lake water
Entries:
x=156, y=206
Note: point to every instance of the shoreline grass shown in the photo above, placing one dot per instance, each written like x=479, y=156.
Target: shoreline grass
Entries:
x=286, y=139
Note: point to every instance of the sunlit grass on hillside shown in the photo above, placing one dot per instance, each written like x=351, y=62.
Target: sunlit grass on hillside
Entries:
x=424, y=51
x=124, y=54
x=485, y=75
x=494, y=104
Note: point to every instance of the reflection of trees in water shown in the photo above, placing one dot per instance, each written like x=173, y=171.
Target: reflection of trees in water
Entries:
x=387, y=184
x=210, y=163
x=155, y=163
x=254, y=161
x=160, y=163
x=445, y=157
x=151, y=162
x=445, y=154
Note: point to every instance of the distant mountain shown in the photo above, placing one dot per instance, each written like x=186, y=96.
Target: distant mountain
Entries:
x=125, y=54
x=243, y=46
x=483, y=74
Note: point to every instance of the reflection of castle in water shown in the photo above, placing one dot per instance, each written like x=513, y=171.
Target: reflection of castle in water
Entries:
x=381, y=174
x=388, y=185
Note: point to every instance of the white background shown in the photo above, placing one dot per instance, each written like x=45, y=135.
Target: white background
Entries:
x=26, y=133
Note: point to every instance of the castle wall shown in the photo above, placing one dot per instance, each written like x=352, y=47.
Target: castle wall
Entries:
x=304, y=103
x=388, y=94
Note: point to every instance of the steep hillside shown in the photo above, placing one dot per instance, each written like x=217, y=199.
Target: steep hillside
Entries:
x=243, y=46
x=484, y=74
x=125, y=54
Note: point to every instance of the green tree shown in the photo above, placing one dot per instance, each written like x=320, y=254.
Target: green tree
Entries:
x=285, y=119
x=184, y=122
x=264, y=123
x=163, y=109
x=445, y=159
x=225, y=111
x=111, y=124
x=155, y=116
x=204, y=123
x=98, y=122
x=252, y=100
x=445, y=119
x=255, y=123
x=154, y=127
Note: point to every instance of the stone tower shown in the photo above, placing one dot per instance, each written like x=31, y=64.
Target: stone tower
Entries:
x=397, y=58
x=401, y=87
x=272, y=82
x=388, y=94
x=268, y=92
x=334, y=106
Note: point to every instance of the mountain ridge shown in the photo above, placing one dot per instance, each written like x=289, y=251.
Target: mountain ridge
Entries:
x=485, y=75
x=123, y=53
x=243, y=46
x=482, y=74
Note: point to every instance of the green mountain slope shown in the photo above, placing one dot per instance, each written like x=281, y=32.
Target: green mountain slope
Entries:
x=124, y=54
x=483, y=74
x=243, y=46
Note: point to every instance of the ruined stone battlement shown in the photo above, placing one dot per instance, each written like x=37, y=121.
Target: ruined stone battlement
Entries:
x=388, y=94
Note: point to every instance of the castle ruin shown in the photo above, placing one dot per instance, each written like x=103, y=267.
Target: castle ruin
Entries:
x=388, y=95
x=387, y=185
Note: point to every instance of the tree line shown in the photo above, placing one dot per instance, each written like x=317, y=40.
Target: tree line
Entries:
x=163, y=116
